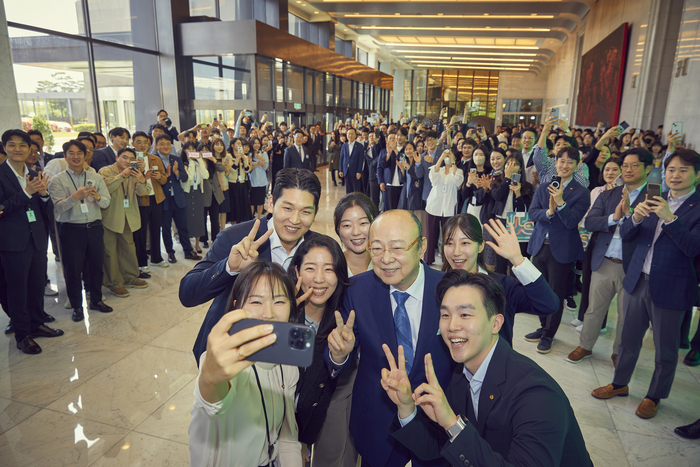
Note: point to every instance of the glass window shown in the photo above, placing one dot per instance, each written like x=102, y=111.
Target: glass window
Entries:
x=362, y=56
x=420, y=78
x=318, y=91
x=295, y=83
x=58, y=15
x=203, y=8
x=264, y=79
x=309, y=91
x=407, y=80
x=235, y=84
x=449, y=85
x=434, y=85
x=466, y=85
x=346, y=92
x=330, y=90
x=522, y=105
x=279, y=81
x=360, y=96
x=298, y=27
x=243, y=62
x=123, y=21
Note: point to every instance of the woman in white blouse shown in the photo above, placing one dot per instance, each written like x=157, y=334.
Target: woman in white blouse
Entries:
x=353, y=215
x=442, y=200
x=243, y=414
x=193, y=187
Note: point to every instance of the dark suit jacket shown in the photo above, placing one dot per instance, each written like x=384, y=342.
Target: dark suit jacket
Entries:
x=292, y=159
x=372, y=157
x=102, y=158
x=564, y=238
x=672, y=280
x=372, y=410
x=423, y=170
x=16, y=231
x=525, y=419
x=597, y=221
x=351, y=164
x=174, y=183
x=209, y=279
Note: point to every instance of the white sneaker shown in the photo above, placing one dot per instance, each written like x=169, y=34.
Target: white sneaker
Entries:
x=576, y=322
x=162, y=264
x=579, y=327
x=49, y=292
x=145, y=269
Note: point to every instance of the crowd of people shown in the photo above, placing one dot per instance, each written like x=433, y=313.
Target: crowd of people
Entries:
x=413, y=309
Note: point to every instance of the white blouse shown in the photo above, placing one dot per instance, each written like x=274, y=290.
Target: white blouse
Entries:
x=232, y=432
x=442, y=200
x=196, y=172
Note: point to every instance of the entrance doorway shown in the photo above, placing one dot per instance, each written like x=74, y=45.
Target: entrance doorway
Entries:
x=297, y=118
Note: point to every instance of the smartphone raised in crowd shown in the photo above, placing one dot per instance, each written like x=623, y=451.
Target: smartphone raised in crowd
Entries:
x=653, y=189
x=294, y=345
x=556, y=182
x=134, y=165
x=624, y=125
x=515, y=179
x=677, y=127
x=554, y=112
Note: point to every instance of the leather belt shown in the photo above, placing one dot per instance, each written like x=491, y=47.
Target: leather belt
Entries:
x=645, y=276
x=614, y=260
x=89, y=225
x=546, y=241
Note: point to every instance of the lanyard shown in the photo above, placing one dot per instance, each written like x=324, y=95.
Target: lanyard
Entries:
x=76, y=186
x=270, y=446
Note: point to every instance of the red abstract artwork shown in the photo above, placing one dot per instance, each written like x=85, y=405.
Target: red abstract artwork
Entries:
x=600, y=86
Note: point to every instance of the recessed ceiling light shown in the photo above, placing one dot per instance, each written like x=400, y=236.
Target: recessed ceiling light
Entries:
x=315, y=12
x=487, y=28
x=344, y=29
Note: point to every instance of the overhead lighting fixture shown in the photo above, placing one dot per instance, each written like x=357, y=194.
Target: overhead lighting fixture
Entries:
x=442, y=62
x=451, y=52
x=429, y=28
x=441, y=16
x=476, y=68
x=463, y=46
x=478, y=58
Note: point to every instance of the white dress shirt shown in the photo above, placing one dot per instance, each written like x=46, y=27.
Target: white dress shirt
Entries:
x=442, y=200
x=22, y=179
x=414, y=304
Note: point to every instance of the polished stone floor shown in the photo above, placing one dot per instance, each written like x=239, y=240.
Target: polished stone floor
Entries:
x=116, y=390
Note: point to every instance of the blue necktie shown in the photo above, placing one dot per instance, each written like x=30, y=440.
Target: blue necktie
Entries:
x=403, y=328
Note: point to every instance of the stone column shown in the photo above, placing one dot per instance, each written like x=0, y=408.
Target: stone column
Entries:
x=9, y=105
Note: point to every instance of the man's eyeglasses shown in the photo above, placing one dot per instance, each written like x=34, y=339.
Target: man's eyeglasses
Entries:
x=633, y=166
x=395, y=252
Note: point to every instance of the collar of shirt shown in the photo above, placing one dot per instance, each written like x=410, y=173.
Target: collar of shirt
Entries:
x=674, y=203
x=477, y=380
x=416, y=289
x=22, y=178
x=566, y=183
x=635, y=193
x=76, y=174
x=277, y=251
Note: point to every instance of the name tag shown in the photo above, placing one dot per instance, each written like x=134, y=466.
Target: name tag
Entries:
x=31, y=216
x=126, y=204
x=83, y=208
x=474, y=200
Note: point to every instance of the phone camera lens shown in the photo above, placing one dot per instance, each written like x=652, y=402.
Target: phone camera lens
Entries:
x=295, y=333
x=307, y=334
x=299, y=344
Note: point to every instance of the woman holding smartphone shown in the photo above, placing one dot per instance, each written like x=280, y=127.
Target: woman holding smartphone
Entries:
x=258, y=178
x=243, y=413
x=197, y=174
x=238, y=182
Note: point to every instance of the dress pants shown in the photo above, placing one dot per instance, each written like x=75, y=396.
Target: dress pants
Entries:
x=120, y=264
x=432, y=234
x=213, y=212
x=605, y=283
x=374, y=192
x=25, y=274
x=352, y=184
x=172, y=212
x=81, y=244
x=557, y=275
x=3, y=291
x=393, y=196
x=151, y=220
x=666, y=328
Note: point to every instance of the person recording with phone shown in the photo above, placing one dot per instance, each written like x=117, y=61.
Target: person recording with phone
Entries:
x=545, y=167
x=243, y=412
x=78, y=197
x=660, y=283
x=166, y=123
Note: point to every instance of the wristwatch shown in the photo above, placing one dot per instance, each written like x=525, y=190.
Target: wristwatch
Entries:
x=457, y=428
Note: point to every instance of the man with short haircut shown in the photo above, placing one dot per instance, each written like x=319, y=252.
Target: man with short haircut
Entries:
x=372, y=159
x=291, y=208
x=166, y=123
x=100, y=140
x=544, y=166
x=352, y=156
x=119, y=138
x=44, y=157
x=297, y=156
x=500, y=408
x=78, y=197
x=661, y=283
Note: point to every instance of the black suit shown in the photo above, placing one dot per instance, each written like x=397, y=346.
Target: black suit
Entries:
x=23, y=252
x=102, y=158
x=524, y=419
x=292, y=159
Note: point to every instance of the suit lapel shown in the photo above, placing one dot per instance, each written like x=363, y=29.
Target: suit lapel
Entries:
x=10, y=175
x=570, y=190
x=688, y=204
x=264, y=251
x=428, y=319
x=495, y=376
x=640, y=197
x=458, y=391
x=385, y=317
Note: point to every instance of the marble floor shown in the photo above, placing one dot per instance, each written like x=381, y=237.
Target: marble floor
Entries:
x=116, y=390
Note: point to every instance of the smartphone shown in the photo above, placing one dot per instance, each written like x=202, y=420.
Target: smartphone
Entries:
x=221, y=117
x=139, y=155
x=556, y=182
x=554, y=112
x=89, y=184
x=677, y=127
x=294, y=345
x=472, y=171
x=216, y=119
x=515, y=179
x=247, y=114
x=134, y=165
x=653, y=189
x=240, y=150
x=624, y=125
x=154, y=169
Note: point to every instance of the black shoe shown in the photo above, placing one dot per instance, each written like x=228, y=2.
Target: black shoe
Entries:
x=101, y=307
x=691, y=359
x=569, y=303
x=45, y=331
x=691, y=431
x=192, y=255
x=48, y=318
x=534, y=336
x=545, y=345
x=28, y=346
x=205, y=244
x=171, y=258
x=78, y=315
x=144, y=275
x=9, y=329
x=335, y=184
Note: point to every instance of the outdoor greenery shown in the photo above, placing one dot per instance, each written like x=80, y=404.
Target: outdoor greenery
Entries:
x=43, y=126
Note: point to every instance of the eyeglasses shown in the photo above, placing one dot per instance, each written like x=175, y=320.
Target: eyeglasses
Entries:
x=395, y=252
x=633, y=166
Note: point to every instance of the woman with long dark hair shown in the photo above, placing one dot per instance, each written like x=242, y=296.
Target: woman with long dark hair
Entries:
x=215, y=190
x=238, y=182
x=197, y=177
x=352, y=218
x=258, y=177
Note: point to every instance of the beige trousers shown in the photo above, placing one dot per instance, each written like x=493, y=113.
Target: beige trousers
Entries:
x=605, y=283
x=120, y=264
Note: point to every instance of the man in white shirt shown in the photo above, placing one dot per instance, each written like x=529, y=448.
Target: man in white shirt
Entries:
x=296, y=156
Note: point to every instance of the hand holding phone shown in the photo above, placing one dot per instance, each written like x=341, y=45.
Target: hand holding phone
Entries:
x=293, y=343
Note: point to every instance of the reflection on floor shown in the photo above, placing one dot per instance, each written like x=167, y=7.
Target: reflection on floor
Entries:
x=117, y=388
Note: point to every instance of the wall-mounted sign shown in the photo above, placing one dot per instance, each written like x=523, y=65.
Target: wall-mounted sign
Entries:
x=297, y=106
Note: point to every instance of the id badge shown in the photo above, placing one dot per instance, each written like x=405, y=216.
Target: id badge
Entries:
x=31, y=216
x=126, y=204
x=83, y=208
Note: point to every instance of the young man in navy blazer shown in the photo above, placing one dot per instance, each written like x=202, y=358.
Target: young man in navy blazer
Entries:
x=352, y=155
x=660, y=282
x=394, y=304
x=297, y=156
x=555, y=243
x=500, y=408
x=293, y=204
x=119, y=138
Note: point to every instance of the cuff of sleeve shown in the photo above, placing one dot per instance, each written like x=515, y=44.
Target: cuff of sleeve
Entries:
x=526, y=273
x=611, y=222
x=672, y=220
x=635, y=222
x=407, y=420
x=559, y=208
x=228, y=270
x=28, y=195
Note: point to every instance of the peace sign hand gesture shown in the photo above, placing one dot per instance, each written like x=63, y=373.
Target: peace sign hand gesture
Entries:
x=246, y=251
x=431, y=398
x=306, y=295
x=341, y=340
x=396, y=383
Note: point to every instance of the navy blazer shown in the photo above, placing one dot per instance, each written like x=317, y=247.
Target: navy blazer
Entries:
x=351, y=164
x=372, y=410
x=597, y=221
x=292, y=159
x=423, y=170
x=372, y=159
x=209, y=279
x=174, y=183
x=673, y=283
x=564, y=239
x=524, y=419
x=102, y=158
x=16, y=231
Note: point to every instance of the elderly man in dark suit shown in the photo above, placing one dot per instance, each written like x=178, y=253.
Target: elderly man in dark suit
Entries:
x=500, y=408
x=24, y=195
x=119, y=137
x=660, y=282
x=297, y=156
x=610, y=256
x=393, y=305
x=352, y=155
x=293, y=204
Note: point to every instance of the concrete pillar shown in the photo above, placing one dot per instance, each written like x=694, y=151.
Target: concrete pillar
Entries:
x=398, y=104
x=10, y=116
